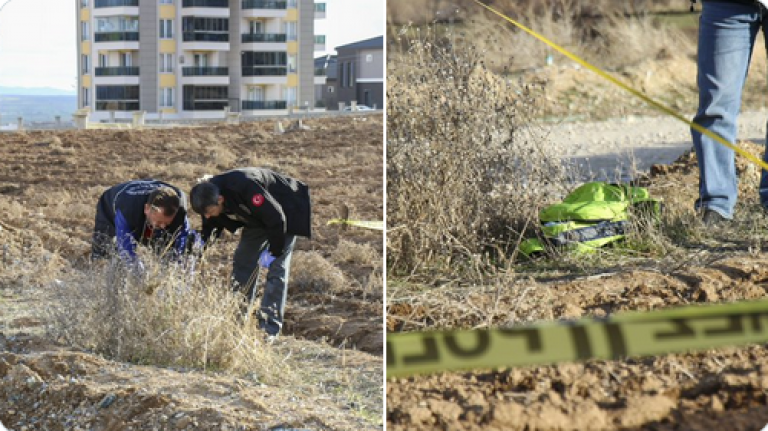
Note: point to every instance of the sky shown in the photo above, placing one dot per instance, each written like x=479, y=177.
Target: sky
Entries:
x=38, y=41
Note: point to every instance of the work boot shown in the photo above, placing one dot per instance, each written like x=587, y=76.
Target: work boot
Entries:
x=712, y=218
x=269, y=326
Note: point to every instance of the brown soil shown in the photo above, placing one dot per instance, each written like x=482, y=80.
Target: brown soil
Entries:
x=49, y=184
x=717, y=389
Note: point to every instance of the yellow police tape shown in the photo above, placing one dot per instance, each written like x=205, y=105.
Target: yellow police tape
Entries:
x=646, y=99
x=625, y=334
x=376, y=225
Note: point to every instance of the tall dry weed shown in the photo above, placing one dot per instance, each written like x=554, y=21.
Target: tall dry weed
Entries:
x=461, y=180
x=175, y=315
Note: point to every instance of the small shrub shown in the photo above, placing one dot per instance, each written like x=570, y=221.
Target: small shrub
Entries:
x=173, y=316
x=462, y=180
x=310, y=271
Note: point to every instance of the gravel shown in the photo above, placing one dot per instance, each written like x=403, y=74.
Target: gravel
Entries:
x=604, y=149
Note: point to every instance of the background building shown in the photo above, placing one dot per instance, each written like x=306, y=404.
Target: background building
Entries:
x=360, y=73
x=194, y=58
x=325, y=82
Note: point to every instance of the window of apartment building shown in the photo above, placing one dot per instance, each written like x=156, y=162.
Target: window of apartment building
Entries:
x=255, y=94
x=256, y=27
x=86, y=97
x=290, y=96
x=85, y=30
x=252, y=58
x=117, y=98
x=166, y=29
x=350, y=74
x=369, y=58
x=201, y=60
x=292, y=63
x=126, y=59
x=86, y=64
x=166, y=63
x=103, y=60
x=205, y=24
x=116, y=23
x=290, y=30
x=166, y=97
x=330, y=89
x=166, y=1
x=117, y=92
x=83, y=3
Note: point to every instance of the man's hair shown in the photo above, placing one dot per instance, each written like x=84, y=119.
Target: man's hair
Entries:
x=164, y=199
x=204, y=195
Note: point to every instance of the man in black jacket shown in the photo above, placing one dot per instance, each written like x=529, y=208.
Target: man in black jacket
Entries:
x=272, y=209
x=147, y=212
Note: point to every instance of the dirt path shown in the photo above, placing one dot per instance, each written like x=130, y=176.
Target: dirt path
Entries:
x=628, y=145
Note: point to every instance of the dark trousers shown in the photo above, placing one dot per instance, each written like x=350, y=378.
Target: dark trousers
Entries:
x=245, y=272
x=103, y=241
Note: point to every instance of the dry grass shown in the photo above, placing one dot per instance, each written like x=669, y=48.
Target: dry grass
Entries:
x=178, y=314
x=463, y=182
x=315, y=273
x=613, y=35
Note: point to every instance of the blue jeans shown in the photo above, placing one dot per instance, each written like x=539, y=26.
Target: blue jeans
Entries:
x=727, y=33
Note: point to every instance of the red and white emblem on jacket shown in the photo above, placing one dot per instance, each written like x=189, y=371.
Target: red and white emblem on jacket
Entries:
x=258, y=200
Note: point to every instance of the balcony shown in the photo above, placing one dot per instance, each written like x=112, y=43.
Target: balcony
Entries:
x=205, y=105
x=117, y=105
x=196, y=36
x=205, y=71
x=117, y=71
x=264, y=37
x=251, y=105
x=265, y=4
x=320, y=71
x=265, y=70
x=116, y=3
x=117, y=36
x=205, y=3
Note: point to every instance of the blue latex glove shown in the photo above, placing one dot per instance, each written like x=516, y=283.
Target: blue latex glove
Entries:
x=266, y=259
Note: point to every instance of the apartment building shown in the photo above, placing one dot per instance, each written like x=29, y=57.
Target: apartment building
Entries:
x=195, y=58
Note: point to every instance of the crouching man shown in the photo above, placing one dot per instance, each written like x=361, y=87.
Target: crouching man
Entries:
x=272, y=209
x=146, y=212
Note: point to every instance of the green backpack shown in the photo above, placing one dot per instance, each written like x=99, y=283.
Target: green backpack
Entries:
x=593, y=215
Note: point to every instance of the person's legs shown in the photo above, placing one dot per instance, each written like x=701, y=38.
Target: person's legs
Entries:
x=245, y=263
x=276, y=289
x=764, y=177
x=727, y=33
x=102, y=242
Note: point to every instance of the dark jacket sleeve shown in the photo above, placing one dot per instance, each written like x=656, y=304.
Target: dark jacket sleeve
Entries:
x=266, y=209
x=210, y=227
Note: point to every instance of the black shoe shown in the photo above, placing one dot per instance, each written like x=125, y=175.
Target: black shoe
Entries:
x=713, y=218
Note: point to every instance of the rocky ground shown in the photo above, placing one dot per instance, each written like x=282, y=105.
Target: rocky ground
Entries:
x=49, y=184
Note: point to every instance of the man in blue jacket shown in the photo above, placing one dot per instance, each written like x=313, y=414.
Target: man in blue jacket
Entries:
x=147, y=212
x=272, y=209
